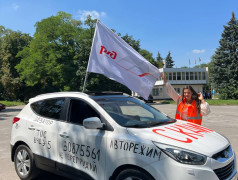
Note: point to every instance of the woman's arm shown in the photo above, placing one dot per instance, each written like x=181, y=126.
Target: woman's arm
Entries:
x=170, y=90
x=205, y=108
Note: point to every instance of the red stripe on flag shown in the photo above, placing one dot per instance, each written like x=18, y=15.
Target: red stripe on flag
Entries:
x=145, y=74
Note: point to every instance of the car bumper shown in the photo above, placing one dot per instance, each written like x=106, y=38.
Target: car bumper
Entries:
x=169, y=169
x=235, y=177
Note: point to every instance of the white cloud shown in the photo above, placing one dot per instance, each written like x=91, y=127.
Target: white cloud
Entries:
x=94, y=14
x=198, y=51
x=15, y=6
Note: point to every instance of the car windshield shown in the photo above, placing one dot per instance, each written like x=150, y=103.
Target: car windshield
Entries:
x=131, y=112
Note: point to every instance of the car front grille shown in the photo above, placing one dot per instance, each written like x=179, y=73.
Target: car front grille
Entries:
x=224, y=172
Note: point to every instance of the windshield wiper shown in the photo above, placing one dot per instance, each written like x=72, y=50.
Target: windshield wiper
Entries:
x=137, y=126
x=151, y=124
x=162, y=123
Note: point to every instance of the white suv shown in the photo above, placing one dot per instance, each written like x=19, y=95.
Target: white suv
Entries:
x=114, y=137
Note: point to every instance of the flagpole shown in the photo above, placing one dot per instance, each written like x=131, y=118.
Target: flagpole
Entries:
x=85, y=80
x=86, y=76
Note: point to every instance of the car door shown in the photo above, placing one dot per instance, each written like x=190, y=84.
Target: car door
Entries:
x=43, y=129
x=80, y=148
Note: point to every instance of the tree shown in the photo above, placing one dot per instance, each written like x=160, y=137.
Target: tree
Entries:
x=11, y=44
x=135, y=44
x=50, y=60
x=203, y=65
x=85, y=40
x=159, y=62
x=3, y=32
x=2, y=28
x=148, y=56
x=224, y=64
x=168, y=61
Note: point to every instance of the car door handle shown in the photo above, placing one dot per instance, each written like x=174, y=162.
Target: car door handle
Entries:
x=64, y=135
x=32, y=127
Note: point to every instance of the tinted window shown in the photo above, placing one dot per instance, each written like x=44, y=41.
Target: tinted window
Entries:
x=174, y=75
x=80, y=110
x=50, y=108
x=203, y=76
x=178, y=75
x=187, y=75
x=199, y=76
x=155, y=92
x=191, y=75
x=183, y=75
x=196, y=76
x=170, y=76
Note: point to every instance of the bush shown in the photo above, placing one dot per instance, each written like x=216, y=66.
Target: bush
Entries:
x=229, y=92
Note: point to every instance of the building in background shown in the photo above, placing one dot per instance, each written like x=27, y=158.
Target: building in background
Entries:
x=178, y=78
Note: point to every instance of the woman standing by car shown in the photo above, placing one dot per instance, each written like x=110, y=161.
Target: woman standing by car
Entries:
x=191, y=106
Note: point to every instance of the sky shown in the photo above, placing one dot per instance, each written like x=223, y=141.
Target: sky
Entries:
x=188, y=29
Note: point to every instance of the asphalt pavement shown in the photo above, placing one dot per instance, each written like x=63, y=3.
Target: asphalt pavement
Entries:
x=223, y=119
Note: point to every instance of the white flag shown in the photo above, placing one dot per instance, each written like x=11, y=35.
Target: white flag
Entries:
x=114, y=58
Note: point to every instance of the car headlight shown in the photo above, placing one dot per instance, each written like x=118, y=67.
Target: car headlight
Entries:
x=181, y=155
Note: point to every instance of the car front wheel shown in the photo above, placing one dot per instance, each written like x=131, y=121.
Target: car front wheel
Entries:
x=24, y=163
x=133, y=174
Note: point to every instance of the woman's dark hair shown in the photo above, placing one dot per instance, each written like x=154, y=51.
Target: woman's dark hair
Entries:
x=194, y=96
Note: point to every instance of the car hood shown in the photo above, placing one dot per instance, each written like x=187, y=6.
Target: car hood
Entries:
x=185, y=135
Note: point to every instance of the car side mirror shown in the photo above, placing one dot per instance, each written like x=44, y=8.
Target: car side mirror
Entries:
x=93, y=123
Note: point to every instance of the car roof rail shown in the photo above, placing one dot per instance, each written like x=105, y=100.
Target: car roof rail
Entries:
x=102, y=93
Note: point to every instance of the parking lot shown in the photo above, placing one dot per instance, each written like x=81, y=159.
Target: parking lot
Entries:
x=223, y=119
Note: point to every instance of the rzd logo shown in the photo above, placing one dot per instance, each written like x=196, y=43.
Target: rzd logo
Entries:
x=112, y=54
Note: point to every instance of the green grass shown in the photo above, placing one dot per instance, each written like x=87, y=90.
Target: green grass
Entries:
x=11, y=103
x=209, y=101
x=167, y=102
x=222, y=102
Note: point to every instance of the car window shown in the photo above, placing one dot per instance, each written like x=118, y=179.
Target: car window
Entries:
x=50, y=108
x=80, y=110
x=134, y=110
x=130, y=112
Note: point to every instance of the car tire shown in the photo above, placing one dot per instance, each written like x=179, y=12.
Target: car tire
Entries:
x=24, y=163
x=133, y=174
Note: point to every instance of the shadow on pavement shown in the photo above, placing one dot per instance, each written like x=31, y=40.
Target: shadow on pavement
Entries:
x=12, y=110
x=3, y=116
x=49, y=176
